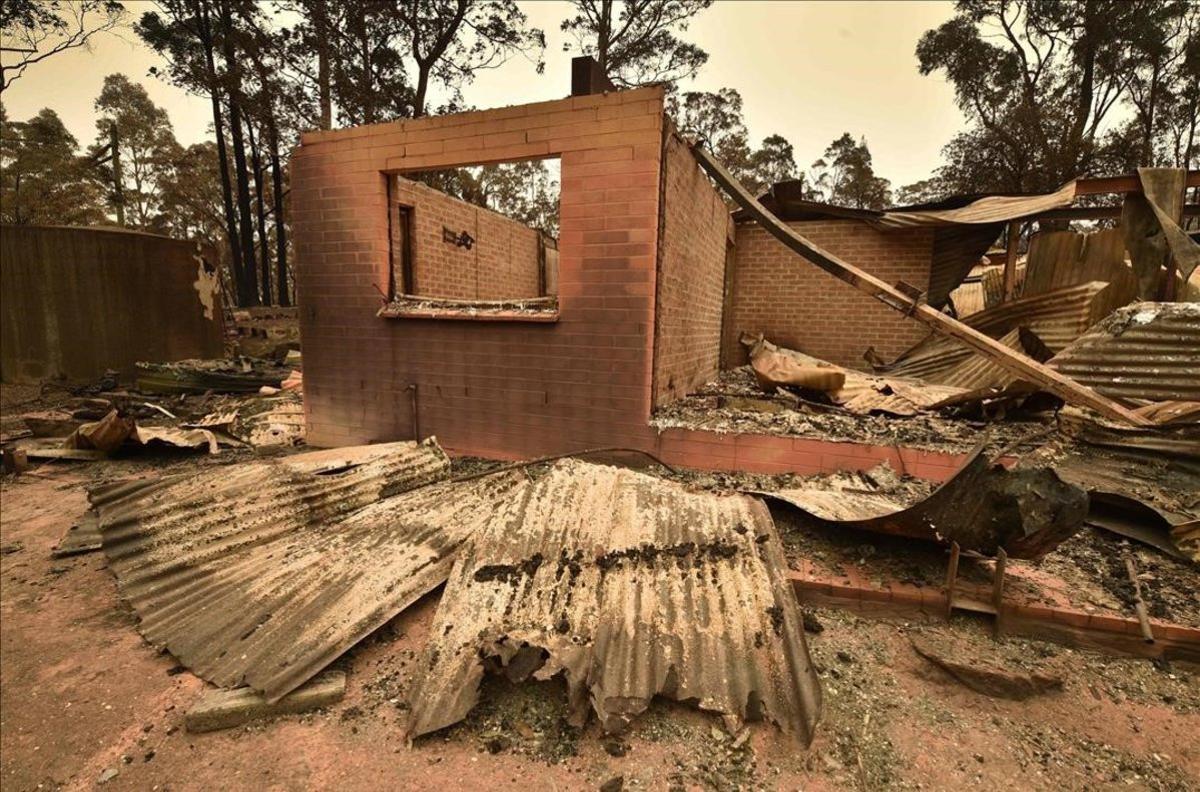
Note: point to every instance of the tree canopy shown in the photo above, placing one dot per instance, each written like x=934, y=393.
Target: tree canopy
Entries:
x=637, y=42
x=1053, y=90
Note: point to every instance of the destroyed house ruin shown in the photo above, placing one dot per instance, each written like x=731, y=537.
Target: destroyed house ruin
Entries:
x=640, y=280
x=423, y=315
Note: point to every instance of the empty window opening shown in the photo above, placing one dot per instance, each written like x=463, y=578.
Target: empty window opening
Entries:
x=480, y=239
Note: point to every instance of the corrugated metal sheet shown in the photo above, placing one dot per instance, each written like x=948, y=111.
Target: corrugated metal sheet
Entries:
x=968, y=298
x=1142, y=351
x=1144, y=482
x=956, y=250
x=630, y=587
x=982, y=506
x=990, y=209
x=263, y=573
x=1056, y=318
x=1066, y=258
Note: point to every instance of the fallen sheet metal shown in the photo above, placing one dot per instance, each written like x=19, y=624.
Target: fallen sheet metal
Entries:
x=1058, y=259
x=259, y=422
x=1144, y=483
x=852, y=390
x=630, y=587
x=1152, y=234
x=263, y=573
x=1141, y=351
x=82, y=537
x=1055, y=318
x=983, y=507
x=114, y=430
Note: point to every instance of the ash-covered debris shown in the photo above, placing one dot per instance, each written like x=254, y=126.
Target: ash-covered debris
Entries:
x=734, y=403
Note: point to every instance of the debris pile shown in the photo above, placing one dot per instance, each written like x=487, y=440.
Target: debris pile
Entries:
x=189, y=405
x=983, y=507
x=239, y=375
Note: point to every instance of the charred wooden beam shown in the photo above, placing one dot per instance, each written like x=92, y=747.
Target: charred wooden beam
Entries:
x=1024, y=367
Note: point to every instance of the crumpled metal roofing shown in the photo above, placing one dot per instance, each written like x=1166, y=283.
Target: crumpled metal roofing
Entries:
x=1065, y=258
x=982, y=506
x=852, y=390
x=1055, y=318
x=631, y=587
x=263, y=573
x=1142, y=351
x=1144, y=482
x=786, y=199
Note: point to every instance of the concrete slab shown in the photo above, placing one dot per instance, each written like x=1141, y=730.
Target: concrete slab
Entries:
x=226, y=708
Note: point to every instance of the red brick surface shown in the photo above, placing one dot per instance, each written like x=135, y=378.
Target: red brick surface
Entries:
x=500, y=389
x=795, y=304
x=502, y=263
x=696, y=229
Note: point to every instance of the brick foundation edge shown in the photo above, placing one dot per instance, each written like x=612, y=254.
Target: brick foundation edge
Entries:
x=1066, y=626
x=753, y=453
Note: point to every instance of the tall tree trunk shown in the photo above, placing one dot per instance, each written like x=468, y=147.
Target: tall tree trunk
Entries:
x=281, y=268
x=234, y=97
x=364, y=41
x=264, y=242
x=324, y=93
x=231, y=228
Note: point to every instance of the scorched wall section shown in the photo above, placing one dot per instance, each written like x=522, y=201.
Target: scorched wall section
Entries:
x=696, y=232
x=504, y=389
x=795, y=304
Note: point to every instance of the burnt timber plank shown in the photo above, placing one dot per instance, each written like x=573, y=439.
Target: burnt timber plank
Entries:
x=1064, y=387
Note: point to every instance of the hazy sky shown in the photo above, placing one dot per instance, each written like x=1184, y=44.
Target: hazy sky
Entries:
x=806, y=70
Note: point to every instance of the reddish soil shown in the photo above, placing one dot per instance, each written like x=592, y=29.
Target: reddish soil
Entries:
x=81, y=693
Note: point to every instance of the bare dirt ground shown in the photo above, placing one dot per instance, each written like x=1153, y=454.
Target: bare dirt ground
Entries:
x=82, y=695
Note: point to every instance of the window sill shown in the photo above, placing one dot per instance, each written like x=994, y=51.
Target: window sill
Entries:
x=540, y=309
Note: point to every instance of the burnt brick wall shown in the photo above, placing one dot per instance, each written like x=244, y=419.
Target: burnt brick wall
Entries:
x=502, y=263
x=797, y=305
x=696, y=229
x=503, y=389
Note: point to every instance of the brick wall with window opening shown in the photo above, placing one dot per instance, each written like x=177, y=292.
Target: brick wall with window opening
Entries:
x=444, y=247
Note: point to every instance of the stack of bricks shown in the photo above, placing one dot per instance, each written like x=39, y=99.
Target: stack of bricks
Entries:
x=510, y=389
x=696, y=231
x=500, y=264
x=797, y=305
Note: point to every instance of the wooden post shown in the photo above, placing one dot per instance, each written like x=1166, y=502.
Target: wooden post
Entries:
x=1167, y=292
x=987, y=347
x=1139, y=604
x=951, y=577
x=998, y=591
x=1010, y=261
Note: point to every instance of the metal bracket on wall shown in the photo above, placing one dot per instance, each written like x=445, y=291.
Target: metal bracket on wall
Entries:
x=462, y=239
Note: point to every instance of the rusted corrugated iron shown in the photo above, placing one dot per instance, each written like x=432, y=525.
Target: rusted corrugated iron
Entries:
x=1066, y=258
x=262, y=574
x=983, y=507
x=1142, y=351
x=1055, y=318
x=631, y=587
